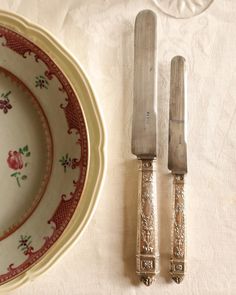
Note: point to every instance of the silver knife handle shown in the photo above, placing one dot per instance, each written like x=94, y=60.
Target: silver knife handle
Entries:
x=147, y=256
x=178, y=263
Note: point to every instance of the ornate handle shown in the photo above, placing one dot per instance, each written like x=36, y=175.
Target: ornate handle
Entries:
x=179, y=248
x=147, y=250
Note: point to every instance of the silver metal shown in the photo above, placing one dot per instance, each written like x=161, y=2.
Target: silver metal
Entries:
x=144, y=144
x=178, y=263
x=177, y=163
x=177, y=153
x=147, y=257
x=145, y=86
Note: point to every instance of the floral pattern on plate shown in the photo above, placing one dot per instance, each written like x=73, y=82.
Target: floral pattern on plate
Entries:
x=65, y=117
x=17, y=160
x=41, y=82
x=68, y=162
x=25, y=123
x=5, y=104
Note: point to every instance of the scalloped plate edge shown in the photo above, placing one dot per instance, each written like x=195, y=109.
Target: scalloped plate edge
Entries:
x=96, y=143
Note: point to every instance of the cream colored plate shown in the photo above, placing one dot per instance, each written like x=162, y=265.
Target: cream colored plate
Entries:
x=52, y=157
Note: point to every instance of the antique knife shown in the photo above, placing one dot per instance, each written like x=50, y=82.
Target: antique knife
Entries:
x=144, y=143
x=177, y=163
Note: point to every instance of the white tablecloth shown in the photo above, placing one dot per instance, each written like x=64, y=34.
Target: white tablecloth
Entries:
x=100, y=34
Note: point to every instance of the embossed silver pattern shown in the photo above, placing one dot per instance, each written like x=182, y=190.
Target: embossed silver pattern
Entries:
x=179, y=247
x=147, y=249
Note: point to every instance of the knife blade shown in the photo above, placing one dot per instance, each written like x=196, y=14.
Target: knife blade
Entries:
x=177, y=163
x=145, y=83
x=144, y=143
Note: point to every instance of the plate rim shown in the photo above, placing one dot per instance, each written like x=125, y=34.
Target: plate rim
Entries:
x=73, y=70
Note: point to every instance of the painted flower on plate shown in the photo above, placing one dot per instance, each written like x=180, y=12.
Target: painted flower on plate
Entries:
x=17, y=161
x=41, y=82
x=5, y=102
x=68, y=162
x=14, y=160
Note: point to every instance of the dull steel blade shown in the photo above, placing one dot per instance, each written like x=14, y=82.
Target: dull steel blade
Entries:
x=177, y=153
x=145, y=87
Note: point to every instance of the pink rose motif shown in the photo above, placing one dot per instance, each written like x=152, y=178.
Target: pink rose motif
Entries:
x=14, y=160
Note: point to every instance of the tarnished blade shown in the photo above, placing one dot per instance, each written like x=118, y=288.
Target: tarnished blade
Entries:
x=177, y=155
x=145, y=85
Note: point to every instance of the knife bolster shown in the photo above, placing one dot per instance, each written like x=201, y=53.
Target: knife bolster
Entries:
x=147, y=266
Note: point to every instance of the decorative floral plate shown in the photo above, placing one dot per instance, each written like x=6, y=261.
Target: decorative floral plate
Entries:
x=51, y=151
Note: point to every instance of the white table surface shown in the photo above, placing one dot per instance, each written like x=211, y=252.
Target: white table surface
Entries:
x=100, y=34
